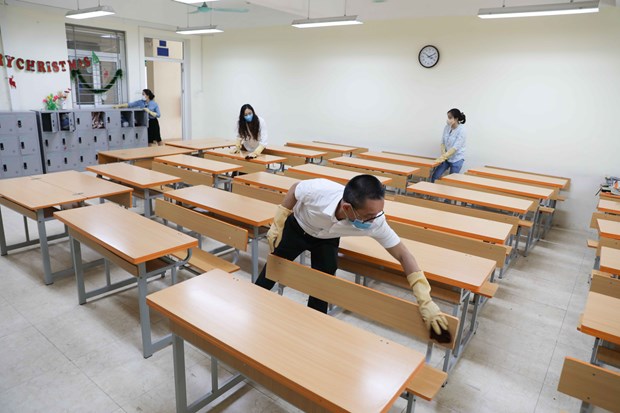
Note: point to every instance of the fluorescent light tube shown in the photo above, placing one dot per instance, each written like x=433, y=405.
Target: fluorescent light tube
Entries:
x=198, y=30
x=540, y=10
x=326, y=22
x=194, y=1
x=90, y=12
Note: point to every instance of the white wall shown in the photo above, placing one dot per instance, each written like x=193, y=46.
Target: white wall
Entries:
x=540, y=94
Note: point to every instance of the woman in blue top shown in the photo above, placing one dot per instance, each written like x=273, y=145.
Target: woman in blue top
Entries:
x=452, y=145
x=152, y=108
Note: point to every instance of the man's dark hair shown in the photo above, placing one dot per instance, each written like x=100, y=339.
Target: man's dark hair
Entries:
x=361, y=188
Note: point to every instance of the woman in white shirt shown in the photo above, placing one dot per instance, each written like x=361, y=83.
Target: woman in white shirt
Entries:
x=452, y=145
x=251, y=132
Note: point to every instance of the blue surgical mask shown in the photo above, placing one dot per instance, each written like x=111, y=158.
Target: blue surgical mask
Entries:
x=248, y=118
x=143, y=99
x=358, y=223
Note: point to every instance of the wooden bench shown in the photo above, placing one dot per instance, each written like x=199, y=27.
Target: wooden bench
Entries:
x=374, y=305
x=218, y=230
x=592, y=243
x=591, y=384
x=187, y=176
x=266, y=195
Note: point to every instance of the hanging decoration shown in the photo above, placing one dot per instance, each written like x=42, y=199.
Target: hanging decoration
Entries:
x=76, y=75
x=12, y=83
x=95, y=58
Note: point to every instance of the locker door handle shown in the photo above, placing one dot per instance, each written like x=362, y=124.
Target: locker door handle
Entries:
x=47, y=143
x=77, y=121
x=65, y=161
x=80, y=139
x=49, y=163
x=19, y=123
x=23, y=146
x=95, y=139
x=1, y=146
x=4, y=168
x=81, y=158
x=25, y=165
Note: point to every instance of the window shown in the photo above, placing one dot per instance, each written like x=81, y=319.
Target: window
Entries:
x=109, y=48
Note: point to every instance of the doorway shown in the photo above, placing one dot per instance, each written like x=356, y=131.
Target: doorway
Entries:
x=164, y=76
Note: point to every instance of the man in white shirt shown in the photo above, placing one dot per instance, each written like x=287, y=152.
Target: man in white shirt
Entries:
x=314, y=215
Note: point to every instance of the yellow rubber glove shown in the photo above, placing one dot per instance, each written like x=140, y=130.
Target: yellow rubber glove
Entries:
x=256, y=152
x=443, y=148
x=237, y=147
x=431, y=314
x=122, y=105
x=150, y=112
x=274, y=235
x=446, y=155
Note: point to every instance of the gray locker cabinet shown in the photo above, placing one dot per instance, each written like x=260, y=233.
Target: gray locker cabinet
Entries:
x=29, y=144
x=54, y=162
x=9, y=146
x=83, y=120
x=72, y=160
x=25, y=123
x=7, y=123
x=127, y=118
x=112, y=119
x=142, y=137
x=88, y=158
x=49, y=121
x=11, y=166
x=31, y=165
x=141, y=119
x=99, y=140
x=79, y=140
x=115, y=139
x=51, y=142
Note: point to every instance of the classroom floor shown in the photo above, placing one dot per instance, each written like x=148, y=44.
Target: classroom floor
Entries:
x=58, y=356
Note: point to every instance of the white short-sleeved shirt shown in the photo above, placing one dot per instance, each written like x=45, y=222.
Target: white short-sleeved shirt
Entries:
x=251, y=144
x=315, y=211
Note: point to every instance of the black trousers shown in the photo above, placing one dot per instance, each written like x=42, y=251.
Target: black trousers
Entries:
x=324, y=255
x=153, y=131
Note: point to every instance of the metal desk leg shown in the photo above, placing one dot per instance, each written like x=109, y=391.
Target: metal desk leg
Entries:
x=3, y=248
x=76, y=252
x=593, y=358
x=45, y=254
x=255, y=255
x=147, y=203
x=180, y=387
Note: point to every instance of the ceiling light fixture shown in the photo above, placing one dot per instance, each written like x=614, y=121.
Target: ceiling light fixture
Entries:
x=540, y=10
x=326, y=21
x=88, y=13
x=199, y=30
x=194, y=1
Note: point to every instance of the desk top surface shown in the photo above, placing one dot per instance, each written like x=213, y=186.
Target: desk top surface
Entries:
x=131, y=236
x=237, y=207
x=402, y=159
x=501, y=186
x=267, y=180
x=600, y=317
x=202, y=144
x=133, y=175
x=293, y=151
x=608, y=229
x=610, y=260
x=472, y=227
x=143, y=153
x=398, y=169
x=525, y=177
x=47, y=190
x=608, y=205
x=471, y=196
x=199, y=164
x=338, y=175
x=328, y=147
x=440, y=264
x=318, y=356
x=262, y=159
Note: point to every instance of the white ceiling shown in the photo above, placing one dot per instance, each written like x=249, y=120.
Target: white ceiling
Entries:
x=264, y=13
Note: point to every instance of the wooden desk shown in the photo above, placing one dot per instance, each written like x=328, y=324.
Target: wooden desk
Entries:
x=399, y=173
x=136, y=177
x=138, y=154
x=524, y=177
x=331, y=149
x=295, y=156
x=511, y=188
x=323, y=364
x=610, y=260
x=500, y=202
x=279, y=183
x=465, y=273
x=425, y=165
x=201, y=145
x=600, y=320
x=333, y=174
x=609, y=206
x=608, y=229
x=472, y=227
x=215, y=169
x=133, y=242
x=38, y=196
x=240, y=209
x=257, y=164
x=566, y=180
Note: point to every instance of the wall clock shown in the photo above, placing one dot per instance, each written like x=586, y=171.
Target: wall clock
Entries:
x=428, y=56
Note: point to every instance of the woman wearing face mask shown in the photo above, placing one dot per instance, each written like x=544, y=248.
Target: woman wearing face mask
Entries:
x=452, y=145
x=251, y=132
x=152, y=108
